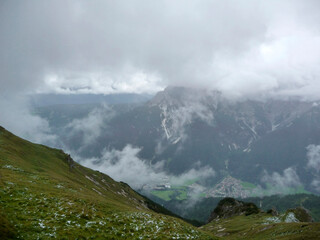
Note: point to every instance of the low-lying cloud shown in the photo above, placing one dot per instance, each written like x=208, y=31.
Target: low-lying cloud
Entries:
x=313, y=158
x=125, y=165
x=179, y=111
x=313, y=155
x=289, y=178
x=89, y=128
x=277, y=183
x=16, y=116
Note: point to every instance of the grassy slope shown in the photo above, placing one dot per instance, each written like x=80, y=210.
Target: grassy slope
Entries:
x=261, y=227
x=282, y=203
x=202, y=209
x=41, y=197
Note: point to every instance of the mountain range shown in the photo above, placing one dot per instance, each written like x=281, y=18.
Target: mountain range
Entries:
x=257, y=147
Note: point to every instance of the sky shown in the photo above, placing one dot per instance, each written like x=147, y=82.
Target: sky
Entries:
x=242, y=48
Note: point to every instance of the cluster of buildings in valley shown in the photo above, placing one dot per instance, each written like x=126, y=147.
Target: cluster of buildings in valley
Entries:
x=229, y=187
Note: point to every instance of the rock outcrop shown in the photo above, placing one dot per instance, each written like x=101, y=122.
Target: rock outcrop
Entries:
x=301, y=214
x=229, y=207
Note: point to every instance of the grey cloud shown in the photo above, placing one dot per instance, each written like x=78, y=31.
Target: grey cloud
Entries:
x=313, y=155
x=90, y=127
x=238, y=47
x=316, y=184
x=250, y=49
x=178, y=110
x=125, y=165
x=278, y=183
x=15, y=116
x=175, y=117
x=289, y=178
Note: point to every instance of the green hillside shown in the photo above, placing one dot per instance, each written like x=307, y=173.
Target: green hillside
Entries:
x=262, y=226
x=201, y=210
x=234, y=219
x=44, y=194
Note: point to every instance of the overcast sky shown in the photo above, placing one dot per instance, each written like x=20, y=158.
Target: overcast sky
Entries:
x=242, y=48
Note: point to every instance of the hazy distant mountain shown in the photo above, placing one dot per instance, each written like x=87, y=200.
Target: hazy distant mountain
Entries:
x=262, y=142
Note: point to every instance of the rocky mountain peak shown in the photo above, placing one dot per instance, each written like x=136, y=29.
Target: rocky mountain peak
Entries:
x=182, y=96
x=229, y=207
x=301, y=214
